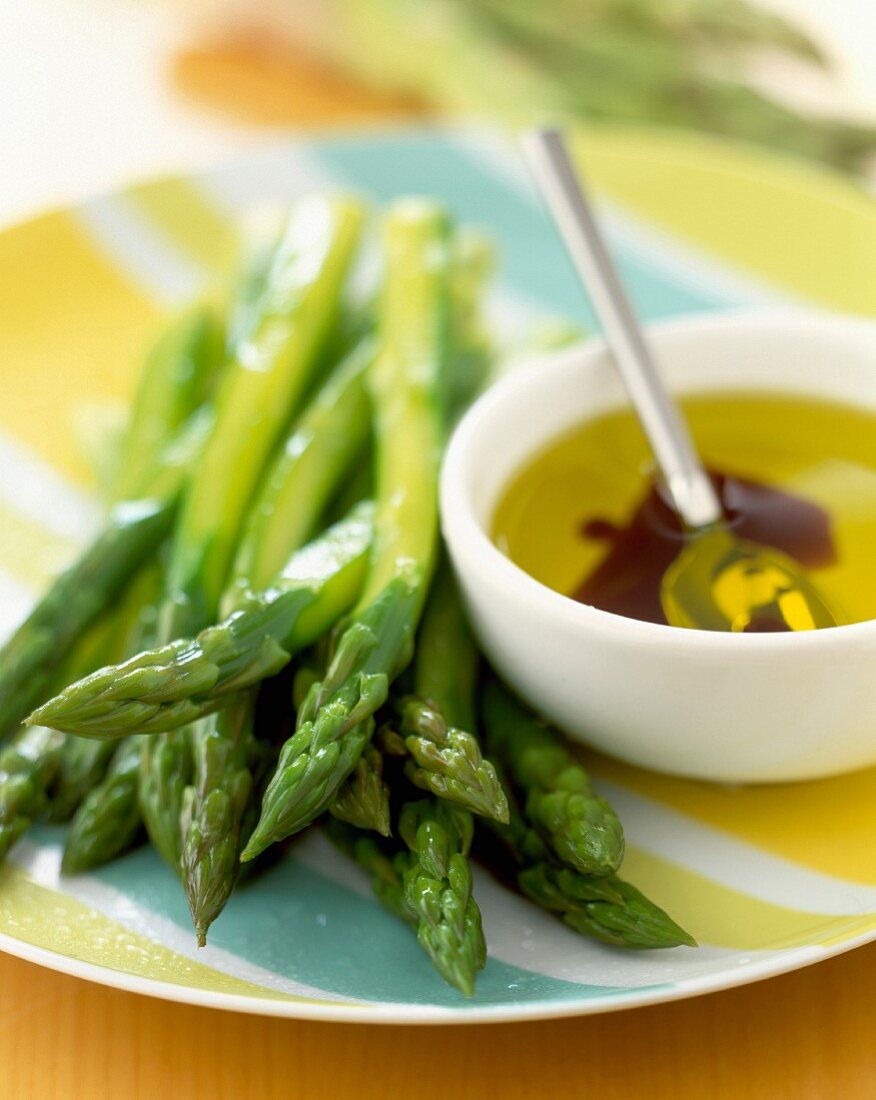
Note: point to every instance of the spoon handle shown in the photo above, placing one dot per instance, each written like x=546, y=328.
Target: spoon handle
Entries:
x=687, y=482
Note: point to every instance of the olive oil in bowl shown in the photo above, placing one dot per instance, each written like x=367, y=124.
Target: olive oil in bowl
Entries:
x=586, y=518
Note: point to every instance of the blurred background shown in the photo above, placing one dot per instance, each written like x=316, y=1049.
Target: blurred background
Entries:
x=98, y=92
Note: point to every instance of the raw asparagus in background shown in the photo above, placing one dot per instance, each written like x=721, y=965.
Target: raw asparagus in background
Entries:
x=558, y=796
x=405, y=382
x=684, y=65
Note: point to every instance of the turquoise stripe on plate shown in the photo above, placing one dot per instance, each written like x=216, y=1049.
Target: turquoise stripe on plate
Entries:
x=533, y=263
x=298, y=924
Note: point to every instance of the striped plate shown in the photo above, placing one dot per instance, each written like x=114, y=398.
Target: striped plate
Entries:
x=767, y=879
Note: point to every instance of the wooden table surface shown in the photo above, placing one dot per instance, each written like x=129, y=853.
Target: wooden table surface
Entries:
x=805, y=1035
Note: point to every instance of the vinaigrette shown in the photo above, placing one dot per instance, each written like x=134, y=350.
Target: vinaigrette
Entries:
x=586, y=518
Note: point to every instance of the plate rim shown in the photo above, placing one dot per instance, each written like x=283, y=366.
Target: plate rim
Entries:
x=419, y=1015
x=394, y=1013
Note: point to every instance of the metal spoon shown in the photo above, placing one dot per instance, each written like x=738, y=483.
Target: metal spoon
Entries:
x=718, y=582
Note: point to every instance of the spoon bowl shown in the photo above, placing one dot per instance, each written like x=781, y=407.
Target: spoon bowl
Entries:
x=722, y=582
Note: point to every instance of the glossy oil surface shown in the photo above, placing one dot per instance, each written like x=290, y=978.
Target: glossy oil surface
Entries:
x=584, y=517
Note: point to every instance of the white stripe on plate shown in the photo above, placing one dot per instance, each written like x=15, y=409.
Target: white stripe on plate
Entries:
x=42, y=864
x=147, y=256
x=33, y=488
x=522, y=935
x=733, y=863
x=16, y=599
x=275, y=175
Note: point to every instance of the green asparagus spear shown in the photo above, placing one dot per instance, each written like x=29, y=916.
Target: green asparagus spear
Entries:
x=405, y=383
x=581, y=828
x=257, y=395
x=437, y=888
x=29, y=659
x=363, y=799
x=436, y=722
x=472, y=349
x=160, y=444
x=107, y=821
x=386, y=870
x=274, y=363
x=213, y=809
x=132, y=532
x=83, y=762
x=27, y=765
x=175, y=380
x=329, y=436
x=604, y=907
x=182, y=681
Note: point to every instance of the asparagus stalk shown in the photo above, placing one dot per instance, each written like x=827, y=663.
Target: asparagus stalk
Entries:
x=163, y=436
x=28, y=661
x=405, y=383
x=331, y=433
x=259, y=392
x=107, y=820
x=213, y=809
x=34, y=765
x=320, y=450
x=275, y=361
x=428, y=886
x=179, y=370
x=174, y=684
x=604, y=907
x=436, y=722
x=363, y=799
x=437, y=889
x=132, y=532
x=83, y=762
x=580, y=827
x=27, y=765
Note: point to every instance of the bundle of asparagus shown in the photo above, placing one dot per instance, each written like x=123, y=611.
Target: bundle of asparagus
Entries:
x=244, y=538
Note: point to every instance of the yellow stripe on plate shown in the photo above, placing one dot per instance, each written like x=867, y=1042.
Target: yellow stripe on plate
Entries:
x=722, y=917
x=48, y=919
x=72, y=326
x=807, y=229
x=828, y=825
x=187, y=218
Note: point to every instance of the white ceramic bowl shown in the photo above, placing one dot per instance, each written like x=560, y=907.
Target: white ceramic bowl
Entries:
x=729, y=707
